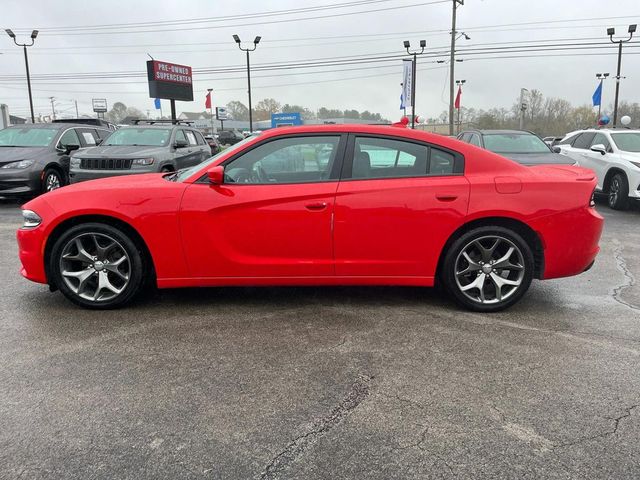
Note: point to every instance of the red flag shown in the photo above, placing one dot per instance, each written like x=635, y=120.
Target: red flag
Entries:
x=457, y=104
x=207, y=101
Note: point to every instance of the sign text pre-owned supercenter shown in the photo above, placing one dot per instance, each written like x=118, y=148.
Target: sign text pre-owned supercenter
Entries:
x=170, y=81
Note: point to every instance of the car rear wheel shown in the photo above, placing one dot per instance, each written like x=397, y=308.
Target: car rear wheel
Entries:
x=52, y=179
x=488, y=269
x=97, y=266
x=619, y=192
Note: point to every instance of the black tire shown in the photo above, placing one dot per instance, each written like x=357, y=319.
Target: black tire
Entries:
x=167, y=169
x=51, y=180
x=618, y=195
x=455, y=280
x=88, y=232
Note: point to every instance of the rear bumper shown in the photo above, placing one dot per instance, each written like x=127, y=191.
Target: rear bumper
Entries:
x=570, y=241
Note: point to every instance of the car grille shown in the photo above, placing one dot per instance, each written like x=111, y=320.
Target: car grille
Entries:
x=105, y=163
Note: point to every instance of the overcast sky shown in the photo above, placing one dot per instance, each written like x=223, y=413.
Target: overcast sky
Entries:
x=491, y=82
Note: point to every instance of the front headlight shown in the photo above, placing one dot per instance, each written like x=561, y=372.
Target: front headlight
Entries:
x=30, y=219
x=19, y=164
x=74, y=162
x=142, y=161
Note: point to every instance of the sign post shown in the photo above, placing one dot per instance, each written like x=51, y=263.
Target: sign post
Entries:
x=99, y=106
x=170, y=81
x=221, y=114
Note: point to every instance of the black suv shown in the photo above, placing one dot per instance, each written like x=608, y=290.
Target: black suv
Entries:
x=34, y=158
x=229, y=137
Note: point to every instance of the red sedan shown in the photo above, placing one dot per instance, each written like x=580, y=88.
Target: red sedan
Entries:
x=319, y=205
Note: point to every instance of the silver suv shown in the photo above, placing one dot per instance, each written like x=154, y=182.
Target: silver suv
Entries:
x=140, y=149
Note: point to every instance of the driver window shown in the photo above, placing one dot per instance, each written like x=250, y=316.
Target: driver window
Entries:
x=180, y=136
x=287, y=160
x=70, y=137
x=601, y=139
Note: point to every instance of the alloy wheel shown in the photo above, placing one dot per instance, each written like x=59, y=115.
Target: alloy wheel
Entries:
x=52, y=182
x=614, y=191
x=489, y=269
x=95, y=267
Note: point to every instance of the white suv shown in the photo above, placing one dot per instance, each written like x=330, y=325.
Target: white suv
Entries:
x=614, y=155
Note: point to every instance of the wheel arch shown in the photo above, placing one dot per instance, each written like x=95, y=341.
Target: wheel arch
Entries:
x=525, y=231
x=609, y=175
x=55, y=166
x=114, y=222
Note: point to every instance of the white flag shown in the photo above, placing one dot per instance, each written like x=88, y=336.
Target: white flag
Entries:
x=407, y=82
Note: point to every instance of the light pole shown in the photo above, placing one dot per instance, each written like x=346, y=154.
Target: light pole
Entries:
x=415, y=53
x=255, y=45
x=24, y=46
x=53, y=108
x=452, y=59
x=459, y=83
x=611, y=32
x=602, y=77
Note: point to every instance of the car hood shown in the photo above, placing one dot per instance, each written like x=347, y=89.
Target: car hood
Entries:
x=14, y=154
x=124, y=151
x=531, y=159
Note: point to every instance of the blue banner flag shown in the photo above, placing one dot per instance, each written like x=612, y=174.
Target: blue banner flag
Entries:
x=597, y=95
x=157, y=102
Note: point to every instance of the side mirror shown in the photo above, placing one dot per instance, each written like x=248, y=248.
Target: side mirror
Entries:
x=556, y=149
x=180, y=144
x=70, y=148
x=216, y=175
x=599, y=148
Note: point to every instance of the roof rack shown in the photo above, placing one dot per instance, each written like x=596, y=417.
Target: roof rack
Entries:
x=153, y=122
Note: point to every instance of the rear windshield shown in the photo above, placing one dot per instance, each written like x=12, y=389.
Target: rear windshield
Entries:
x=27, y=137
x=148, y=137
x=627, y=141
x=514, y=143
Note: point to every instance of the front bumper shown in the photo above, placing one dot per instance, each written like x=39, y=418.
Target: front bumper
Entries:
x=19, y=181
x=78, y=175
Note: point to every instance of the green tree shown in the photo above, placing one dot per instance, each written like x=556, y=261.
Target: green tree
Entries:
x=117, y=113
x=264, y=109
x=238, y=110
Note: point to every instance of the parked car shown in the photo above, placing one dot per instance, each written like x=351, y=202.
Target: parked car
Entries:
x=614, y=155
x=213, y=143
x=34, y=158
x=97, y=122
x=319, y=205
x=140, y=149
x=229, y=137
x=518, y=145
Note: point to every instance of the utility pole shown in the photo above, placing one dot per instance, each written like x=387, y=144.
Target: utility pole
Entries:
x=53, y=109
x=24, y=46
x=256, y=40
x=611, y=32
x=523, y=107
x=77, y=114
x=452, y=61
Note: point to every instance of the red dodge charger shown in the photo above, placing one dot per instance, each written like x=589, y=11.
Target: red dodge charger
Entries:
x=319, y=205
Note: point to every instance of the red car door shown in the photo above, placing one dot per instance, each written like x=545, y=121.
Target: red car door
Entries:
x=396, y=208
x=272, y=215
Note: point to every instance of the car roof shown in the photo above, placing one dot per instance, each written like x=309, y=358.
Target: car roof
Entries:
x=498, y=131
x=156, y=127
x=57, y=126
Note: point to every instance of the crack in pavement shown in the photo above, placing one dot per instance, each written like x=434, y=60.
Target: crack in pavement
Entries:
x=358, y=392
x=621, y=263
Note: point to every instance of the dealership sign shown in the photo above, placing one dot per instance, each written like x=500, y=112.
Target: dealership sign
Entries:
x=99, y=105
x=221, y=113
x=170, y=81
x=285, y=119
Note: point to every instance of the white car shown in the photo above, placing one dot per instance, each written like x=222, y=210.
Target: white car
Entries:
x=614, y=155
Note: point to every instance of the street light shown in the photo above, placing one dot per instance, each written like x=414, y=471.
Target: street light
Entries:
x=256, y=41
x=415, y=53
x=601, y=77
x=459, y=83
x=24, y=46
x=611, y=32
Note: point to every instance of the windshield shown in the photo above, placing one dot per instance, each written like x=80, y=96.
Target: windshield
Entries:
x=186, y=173
x=148, y=137
x=627, y=141
x=514, y=143
x=27, y=137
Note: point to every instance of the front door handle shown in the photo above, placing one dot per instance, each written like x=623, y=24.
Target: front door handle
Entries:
x=446, y=197
x=316, y=206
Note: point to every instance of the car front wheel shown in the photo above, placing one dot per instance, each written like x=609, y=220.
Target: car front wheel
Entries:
x=488, y=269
x=52, y=179
x=619, y=192
x=96, y=266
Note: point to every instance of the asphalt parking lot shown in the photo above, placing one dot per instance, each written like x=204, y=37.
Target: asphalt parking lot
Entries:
x=325, y=382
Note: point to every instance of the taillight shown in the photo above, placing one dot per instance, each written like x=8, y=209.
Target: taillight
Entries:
x=592, y=200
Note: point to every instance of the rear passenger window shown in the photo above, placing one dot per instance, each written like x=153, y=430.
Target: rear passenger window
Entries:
x=568, y=140
x=441, y=163
x=474, y=140
x=584, y=140
x=89, y=137
x=191, y=137
x=465, y=137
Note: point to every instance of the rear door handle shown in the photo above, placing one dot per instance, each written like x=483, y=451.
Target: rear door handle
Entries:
x=446, y=197
x=316, y=206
